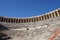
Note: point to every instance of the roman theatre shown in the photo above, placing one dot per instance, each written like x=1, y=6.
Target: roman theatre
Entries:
x=42, y=27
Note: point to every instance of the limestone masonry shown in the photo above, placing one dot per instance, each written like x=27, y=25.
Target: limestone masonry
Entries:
x=43, y=27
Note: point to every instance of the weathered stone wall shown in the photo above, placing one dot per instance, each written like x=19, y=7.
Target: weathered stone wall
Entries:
x=38, y=31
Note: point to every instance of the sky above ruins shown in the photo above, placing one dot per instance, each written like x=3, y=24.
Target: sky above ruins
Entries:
x=27, y=8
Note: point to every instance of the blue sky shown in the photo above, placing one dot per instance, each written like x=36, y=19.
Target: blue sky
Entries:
x=27, y=8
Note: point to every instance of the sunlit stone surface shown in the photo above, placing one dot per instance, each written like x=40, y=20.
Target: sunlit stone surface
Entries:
x=40, y=30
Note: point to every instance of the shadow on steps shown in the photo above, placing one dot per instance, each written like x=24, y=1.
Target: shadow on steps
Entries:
x=3, y=36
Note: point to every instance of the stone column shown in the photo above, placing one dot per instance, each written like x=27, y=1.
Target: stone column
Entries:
x=28, y=20
x=23, y=20
x=18, y=20
x=44, y=17
x=1, y=18
x=54, y=14
x=58, y=13
x=33, y=19
x=15, y=20
x=39, y=18
x=10, y=20
x=6, y=19
x=51, y=15
x=47, y=16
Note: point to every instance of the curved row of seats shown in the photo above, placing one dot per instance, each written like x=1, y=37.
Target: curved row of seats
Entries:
x=35, y=19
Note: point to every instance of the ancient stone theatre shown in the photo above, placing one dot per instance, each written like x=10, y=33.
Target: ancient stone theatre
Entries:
x=42, y=27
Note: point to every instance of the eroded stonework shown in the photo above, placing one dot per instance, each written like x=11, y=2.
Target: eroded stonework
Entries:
x=37, y=31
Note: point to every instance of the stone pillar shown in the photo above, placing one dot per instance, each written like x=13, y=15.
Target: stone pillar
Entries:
x=54, y=14
x=9, y=19
x=1, y=19
x=15, y=20
x=58, y=13
x=5, y=19
x=33, y=19
x=51, y=15
x=44, y=17
x=47, y=16
x=39, y=18
x=25, y=20
x=28, y=20
x=19, y=20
